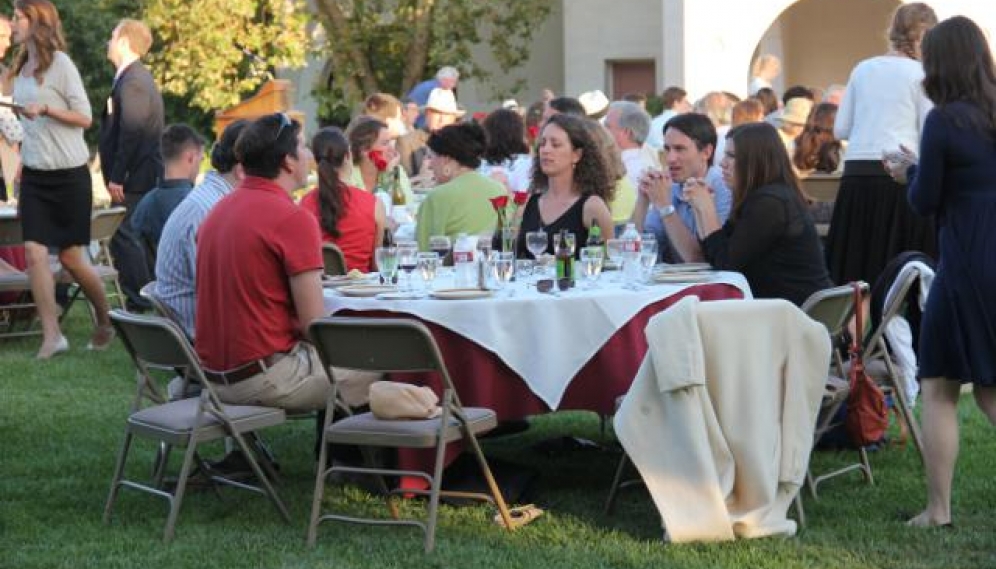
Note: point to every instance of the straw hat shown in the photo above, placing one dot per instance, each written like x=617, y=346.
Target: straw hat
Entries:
x=443, y=101
x=797, y=111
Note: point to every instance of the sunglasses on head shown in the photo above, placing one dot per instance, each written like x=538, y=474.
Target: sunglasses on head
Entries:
x=285, y=122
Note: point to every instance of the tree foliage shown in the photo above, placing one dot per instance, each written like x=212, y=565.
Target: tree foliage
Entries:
x=216, y=51
x=390, y=45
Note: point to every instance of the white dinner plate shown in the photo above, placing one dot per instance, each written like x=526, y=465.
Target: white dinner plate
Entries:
x=682, y=268
x=460, y=293
x=345, y=280
x=401, y=295
x=366, y=290
x=694, y=277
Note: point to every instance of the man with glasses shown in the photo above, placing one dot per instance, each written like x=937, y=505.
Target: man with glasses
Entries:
x=259, y=267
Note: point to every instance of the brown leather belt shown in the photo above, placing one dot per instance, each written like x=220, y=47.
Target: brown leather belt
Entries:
x=244, y=372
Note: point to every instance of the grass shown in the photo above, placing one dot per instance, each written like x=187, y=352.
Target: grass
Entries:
x=61, y=424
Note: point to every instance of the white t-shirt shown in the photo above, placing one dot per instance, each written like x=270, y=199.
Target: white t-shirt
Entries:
x=884, y=106
x=519, y=171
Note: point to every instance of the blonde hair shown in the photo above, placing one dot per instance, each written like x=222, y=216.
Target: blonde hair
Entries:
x=138, y=35
x=909, y=23
x=764, y=62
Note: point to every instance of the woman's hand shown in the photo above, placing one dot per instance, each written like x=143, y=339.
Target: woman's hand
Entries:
x=33, y=110
x=898, y=163
x=699, y=195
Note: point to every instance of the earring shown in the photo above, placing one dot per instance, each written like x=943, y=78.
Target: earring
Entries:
x=447, y=171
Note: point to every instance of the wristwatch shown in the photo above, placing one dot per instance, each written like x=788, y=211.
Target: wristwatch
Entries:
x=665, y=210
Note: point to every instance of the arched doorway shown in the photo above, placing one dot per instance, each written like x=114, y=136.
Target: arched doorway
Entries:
x=820, y=41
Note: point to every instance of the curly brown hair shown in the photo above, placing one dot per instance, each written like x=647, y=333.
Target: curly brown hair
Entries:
x=46, y=35
x=816, y=148
x=591, y=176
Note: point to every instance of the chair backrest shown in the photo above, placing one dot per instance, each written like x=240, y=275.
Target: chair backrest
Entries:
x=376, y=344
x=148, y=292
x=155, y=342
x=103, y=224
x=832, y=307
x=821, y=187
x=891, y=309
x=10, y=231
x=335, y=262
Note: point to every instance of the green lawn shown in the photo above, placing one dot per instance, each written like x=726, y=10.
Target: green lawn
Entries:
x=61, y=424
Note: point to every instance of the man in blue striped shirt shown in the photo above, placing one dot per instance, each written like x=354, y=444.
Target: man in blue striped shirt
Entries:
x=176, y=262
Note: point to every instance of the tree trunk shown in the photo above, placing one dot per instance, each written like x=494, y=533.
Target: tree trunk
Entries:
x=418, y=55
x=351, y=66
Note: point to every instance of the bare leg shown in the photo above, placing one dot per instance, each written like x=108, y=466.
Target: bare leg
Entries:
x=43, y=292
x=940, y=448
x=88, y=279
x=985, y=398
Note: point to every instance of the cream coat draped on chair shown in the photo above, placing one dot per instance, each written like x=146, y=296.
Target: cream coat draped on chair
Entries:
x=719, y=420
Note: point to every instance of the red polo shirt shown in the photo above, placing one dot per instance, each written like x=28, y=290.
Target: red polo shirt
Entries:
x=248, y=247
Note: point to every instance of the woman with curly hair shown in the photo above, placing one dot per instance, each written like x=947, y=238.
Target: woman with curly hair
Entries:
x=571, y=182
x=56, y=197
x=816, y=149
x=348, y=216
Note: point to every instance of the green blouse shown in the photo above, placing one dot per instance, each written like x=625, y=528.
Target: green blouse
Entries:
x=461, y=205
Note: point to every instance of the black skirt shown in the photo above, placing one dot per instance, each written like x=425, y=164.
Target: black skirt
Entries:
x=872, y=223
x=55, y=206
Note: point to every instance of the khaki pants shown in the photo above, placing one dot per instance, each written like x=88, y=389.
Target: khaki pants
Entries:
x=298, y=383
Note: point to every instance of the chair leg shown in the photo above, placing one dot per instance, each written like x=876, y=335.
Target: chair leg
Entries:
x=610, y=501
x=799, y=511
x=499, y=499
x=866, y=468
x=160, y=464
x=181, y=485
x=321, y=472
x=116, y=478
x=261, y=476
x=437, y=479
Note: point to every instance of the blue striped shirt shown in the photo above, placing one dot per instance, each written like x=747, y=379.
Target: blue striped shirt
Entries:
x=176, y=261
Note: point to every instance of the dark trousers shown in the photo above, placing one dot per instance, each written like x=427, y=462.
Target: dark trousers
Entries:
x=130, y=258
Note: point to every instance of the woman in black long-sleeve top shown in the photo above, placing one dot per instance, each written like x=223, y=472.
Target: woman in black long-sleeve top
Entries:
x=769, y=237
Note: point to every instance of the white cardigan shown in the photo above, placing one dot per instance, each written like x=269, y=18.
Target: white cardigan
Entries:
x=720, y=418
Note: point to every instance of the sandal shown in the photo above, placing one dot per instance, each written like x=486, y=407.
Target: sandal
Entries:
x=61, y=346
x=101, y=338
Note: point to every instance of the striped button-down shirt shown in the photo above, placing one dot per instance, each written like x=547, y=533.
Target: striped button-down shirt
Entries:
x=176, y=261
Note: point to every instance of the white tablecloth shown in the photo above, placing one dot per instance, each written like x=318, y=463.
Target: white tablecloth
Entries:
x=546, y=339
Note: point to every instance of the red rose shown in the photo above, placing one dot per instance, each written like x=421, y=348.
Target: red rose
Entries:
x=500, y=202
x=533, y=131
x=520, y=198
x=377, y=157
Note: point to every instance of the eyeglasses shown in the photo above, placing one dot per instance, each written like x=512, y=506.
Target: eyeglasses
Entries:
x=285, y=122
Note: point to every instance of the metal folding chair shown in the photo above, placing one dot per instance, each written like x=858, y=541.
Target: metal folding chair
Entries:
x=155, y=343
x=103, y=224
x=395, y=345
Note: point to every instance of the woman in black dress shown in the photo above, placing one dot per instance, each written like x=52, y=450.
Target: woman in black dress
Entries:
x=769, y=236
x=956, y=180
x=55, y=202
x=571, y=184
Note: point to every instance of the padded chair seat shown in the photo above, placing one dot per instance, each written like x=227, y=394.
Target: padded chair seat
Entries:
x=366, y=429
x=174, y=421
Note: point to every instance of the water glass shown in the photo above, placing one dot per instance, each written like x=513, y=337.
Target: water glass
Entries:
x=614, y=249
x=648, y=254
x=428, y=264
x=502, y=267
x=386, y=259
x=591, y=264
x=440, y=244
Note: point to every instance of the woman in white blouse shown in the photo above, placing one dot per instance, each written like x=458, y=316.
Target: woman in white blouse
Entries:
x=56, y=196
x=883, y=108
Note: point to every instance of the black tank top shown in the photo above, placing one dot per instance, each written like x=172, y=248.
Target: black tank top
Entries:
x=572, y=220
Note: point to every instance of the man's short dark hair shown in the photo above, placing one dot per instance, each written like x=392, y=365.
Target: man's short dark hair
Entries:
x=696, y=126
x=568, y=106
x=797, y=91
x=223, y=154
x=176, y=139
x=262, y=146
x=671, y=96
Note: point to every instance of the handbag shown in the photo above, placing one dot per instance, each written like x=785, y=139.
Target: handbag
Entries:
x=867, y=415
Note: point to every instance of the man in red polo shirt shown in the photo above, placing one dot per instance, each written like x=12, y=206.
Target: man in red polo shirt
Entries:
x=259, y=267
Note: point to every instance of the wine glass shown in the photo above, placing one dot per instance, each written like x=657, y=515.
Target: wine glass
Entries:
x=537, y=242
x=386, y=259
x=503, y=267
x=428, y=263
x=407, y=260
x=440, y=244
x=591, y=264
